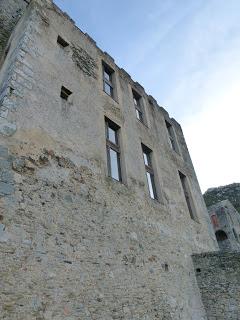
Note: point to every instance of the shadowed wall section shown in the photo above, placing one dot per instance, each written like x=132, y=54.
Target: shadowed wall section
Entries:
x=10, y=13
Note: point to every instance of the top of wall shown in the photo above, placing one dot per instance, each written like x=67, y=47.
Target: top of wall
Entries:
x=123, y=72
x=221, y=260
x=221, y=204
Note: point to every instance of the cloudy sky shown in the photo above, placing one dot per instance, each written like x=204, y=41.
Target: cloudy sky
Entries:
x=187, y=55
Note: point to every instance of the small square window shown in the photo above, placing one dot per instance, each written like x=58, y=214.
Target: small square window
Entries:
x=65, y=93
x=62, y=42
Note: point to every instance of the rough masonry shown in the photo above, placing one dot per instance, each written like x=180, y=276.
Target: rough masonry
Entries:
x=75, y=243
x=218, y=276
x=10, y=13
x=226, y=223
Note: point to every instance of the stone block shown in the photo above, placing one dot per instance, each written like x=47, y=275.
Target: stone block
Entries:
x=7, y=177
x=5, y=164
x=18, y=164
x=6, y=189
x=7, y=128
x=3, y=152
x=4, y=112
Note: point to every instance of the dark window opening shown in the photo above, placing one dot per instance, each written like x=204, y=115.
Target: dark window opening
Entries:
x=221, y=235
x=65, y=93
x=138, y=106
x=166, y=267
x=108, y=85
x=147, y=157
x=62, y=42
x=187, y=195
x=113, y=150
x=171, y=136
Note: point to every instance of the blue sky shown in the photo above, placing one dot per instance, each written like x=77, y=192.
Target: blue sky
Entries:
x=187, y=55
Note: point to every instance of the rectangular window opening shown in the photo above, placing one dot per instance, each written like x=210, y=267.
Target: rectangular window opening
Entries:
x=113, y=150
x=138, y=106
x=147, y=157
x=62, y=42
x=187, y=195
x=108, y=84
x=65, y=93
x=171, y=136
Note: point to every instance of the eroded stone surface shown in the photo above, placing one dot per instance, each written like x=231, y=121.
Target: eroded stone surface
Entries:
x=218, y=276
x=74, y=243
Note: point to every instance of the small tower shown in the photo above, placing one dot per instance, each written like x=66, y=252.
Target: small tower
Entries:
x=226, y=223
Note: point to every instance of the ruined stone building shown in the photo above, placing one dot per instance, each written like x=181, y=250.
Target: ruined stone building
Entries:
x=100, y=206
x=226, y=223
x=218, y=274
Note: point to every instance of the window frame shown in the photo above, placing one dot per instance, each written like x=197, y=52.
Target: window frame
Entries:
x=149, y=170
x=113, y=146
x=188, y=196
x=138, y=106
x=108, y=70
x=172, y=136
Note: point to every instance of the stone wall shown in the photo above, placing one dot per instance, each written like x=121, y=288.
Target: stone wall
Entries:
x=225, y=218
x=10, y=12
x=218, y=276
x=74, y=243
x=229, y=192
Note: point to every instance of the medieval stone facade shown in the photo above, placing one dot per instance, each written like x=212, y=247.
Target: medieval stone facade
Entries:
x=100, y=205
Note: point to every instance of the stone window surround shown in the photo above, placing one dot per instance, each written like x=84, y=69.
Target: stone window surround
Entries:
x=186, y=190
x=149, y=169
x=111, y=82
x=172, y=137
x=115, y=146
x=138, y=104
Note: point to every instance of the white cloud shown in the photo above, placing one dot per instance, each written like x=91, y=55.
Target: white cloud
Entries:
x=213, y=138
x=208, y=94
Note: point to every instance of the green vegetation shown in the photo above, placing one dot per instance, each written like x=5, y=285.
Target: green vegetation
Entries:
x=230, y=192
